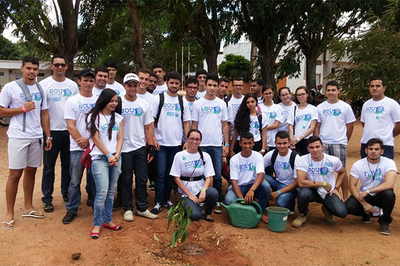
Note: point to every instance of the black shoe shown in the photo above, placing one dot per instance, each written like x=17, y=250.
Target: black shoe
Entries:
x=90, y=199
x=366, y=220
x=48, y=206
x=65, y=198
x=69, y=217
x=157, y=209
x=384, y=230
x=117, y=204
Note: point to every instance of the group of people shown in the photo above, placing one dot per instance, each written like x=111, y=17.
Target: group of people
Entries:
x=276, y=152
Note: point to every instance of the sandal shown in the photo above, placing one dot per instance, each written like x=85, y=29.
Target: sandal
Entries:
x=209, y=219
x=8, y=225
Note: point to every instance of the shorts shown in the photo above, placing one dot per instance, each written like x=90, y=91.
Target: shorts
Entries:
x=24, y=152
x=337, y=150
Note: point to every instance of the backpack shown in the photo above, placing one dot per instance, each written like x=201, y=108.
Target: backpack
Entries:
x=227, y=99
x=270, y=169
x=160, y=105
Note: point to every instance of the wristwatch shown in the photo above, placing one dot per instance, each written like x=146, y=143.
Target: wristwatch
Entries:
x=49, y=138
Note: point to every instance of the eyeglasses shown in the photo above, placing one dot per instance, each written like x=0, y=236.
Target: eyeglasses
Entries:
x=59, y=65
x=192, y=88
x=201, y=77
x=194, y=139
x=301, y=94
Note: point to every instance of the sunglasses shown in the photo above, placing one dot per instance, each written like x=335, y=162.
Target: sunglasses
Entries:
x=59, y=65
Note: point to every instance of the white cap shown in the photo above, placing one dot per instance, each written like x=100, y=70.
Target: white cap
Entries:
x=131, y=77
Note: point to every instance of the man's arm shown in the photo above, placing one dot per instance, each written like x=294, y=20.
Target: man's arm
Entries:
x=16, y=111
x=354, y=191
x=390, y=179
x=73, y=131
x=226, y=133
x=317, y=129
x=236, y=189
x=303, y=182
x=195, y=124
x=249, y=198
x=342, y=180
x=286, y=189
x=350, y=127
x=45, y=121
x=186, y=127
x=396, y=129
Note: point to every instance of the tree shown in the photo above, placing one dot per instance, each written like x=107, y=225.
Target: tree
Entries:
x=9, y=50
x=236, y=66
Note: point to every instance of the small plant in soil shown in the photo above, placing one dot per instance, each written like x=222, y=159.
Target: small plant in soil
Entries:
x=181, y=221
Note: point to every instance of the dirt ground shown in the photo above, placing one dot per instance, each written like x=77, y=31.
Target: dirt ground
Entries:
x=145, y=242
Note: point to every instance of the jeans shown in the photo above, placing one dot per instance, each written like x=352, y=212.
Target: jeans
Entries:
x=301, y=146
x=211, y=199
x=215, y=153
x=105, y=177
x=384, y=200
x=286, y=200
x=262, y=194
x=74, y=190
x=332, y=203
x=163, y=183
x=388, y=151
x=60, y=146
x=134, y=161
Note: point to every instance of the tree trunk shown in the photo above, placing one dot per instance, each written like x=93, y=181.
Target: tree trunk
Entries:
x=138, y=38
x=311, y=71
x=267, y=72
x=211, y=59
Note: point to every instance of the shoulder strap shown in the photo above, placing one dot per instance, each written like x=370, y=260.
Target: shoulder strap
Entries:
x=160, y=105
x=259, y=117
x=294, y=120
x=273, y=158
x=41, y=92
x=227, y=99
x=292, y=158
x=180, y=99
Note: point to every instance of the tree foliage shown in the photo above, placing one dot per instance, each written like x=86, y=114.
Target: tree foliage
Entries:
x=236, y=66
x=11, y=51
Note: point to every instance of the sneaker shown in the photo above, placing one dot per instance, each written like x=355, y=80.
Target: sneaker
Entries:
x=147, y=214
x=128, y=216
x=299, y=221
x=218, y=208
x=48, y=207
x=90, y=199
x=328, y=216
x=157, y=209
x=366, y=220
x=291, y=212
x=385, y=229
x=69, y=217
x=151, y=185
x=117, y=203
x=264, y=219
x=168, y=205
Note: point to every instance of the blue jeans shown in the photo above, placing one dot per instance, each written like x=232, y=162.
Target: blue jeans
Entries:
x=286, y=200
x=74, y=190
x=60, y=146
x=388, y=151
x=105, y=177
x=211, y=199
x=332, y=203
x=134, y=161
x=262, y=194
x=215, y=153
x=163, y=183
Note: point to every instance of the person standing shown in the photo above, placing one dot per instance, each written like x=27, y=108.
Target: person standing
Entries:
x=223, y=84
x=201, y=76
x=256, y=87
x=112, y=73
x=233, y=103
x=26, y=104
x=287, y=107
x=152, y=83
x=101, y=77
x=160, y=73
x=58, y=89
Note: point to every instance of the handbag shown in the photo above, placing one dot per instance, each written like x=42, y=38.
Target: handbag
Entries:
x=86, y=159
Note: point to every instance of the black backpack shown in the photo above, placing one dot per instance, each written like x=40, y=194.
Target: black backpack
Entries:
x=270, y=169
x=160, y=105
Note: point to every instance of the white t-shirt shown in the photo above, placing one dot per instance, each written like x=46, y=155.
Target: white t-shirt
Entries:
x=169, y=130
x=273, y=113
x=260, y=100
x=334, y=118
x=233, y=107
x=76, y=109
x=148, y=97
x=135, y=115
x=372, y=175
x=12, y=96
x=117, y=87
x=190, y=104
x=245, y=170
x=96, y=92
x=209, y=115
x=200, y=94
x=160, y=89
x=286, y=112
x=255, y=126
x=380, y=118
x=102, y=124
x=321, y=171
x=283, y=171
x=304, y=118
x=57, y=94
x=185, y=164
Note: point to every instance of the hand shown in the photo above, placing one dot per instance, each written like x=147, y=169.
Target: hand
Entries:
x=328, y=187
x=193, y=198
x=225, y=150
x=274, y=195
x=363, y=194
x=225, y=154
x=292, y=146
x=151, y=151
x=49, y=144
x=156, y=145
x=336, y=192
x=369, y=208
x=82, y=142
x=111, y=159
x=29, y=106
x=231, y=153
x=248, y=199
x=202, y=196
x=184, y=146
x=294, y=141
x=262, y=152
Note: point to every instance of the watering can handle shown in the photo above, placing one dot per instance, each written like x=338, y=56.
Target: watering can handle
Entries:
x=255, y=204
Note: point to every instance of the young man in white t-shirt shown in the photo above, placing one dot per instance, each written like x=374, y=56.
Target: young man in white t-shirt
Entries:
x=191, y=87
x=234, y=103
x=316, y=179
x=152, y=83
x=160, y=73
x=223, y=84
x=284, y=185
x=256, y=87
x=380, y=117
x=111, y=82
x=201, y=76
x=210, y=116
x=377, y=175
x=58, y=90
x=28, y=122
x=75, y=112
x=172, y=123
x=101, y=76
x=247, y=176
x=138, y=129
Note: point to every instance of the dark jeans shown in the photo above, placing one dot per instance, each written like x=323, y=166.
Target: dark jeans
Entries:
x=384, y=200
x=301, y=146
x=151, y=170
x=388, y=151
x=262, y=194
x=60, y=146
x=134, y=161
x=215, y=153
x=211, y=199
x=286, y=200
x=163, y=183
x=332, y=203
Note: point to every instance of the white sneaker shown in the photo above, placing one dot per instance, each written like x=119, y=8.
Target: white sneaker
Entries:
x=147, y=214
x=128, y=216
x=291, y=212
x=168, y=204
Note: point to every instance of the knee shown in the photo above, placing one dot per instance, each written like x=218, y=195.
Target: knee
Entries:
x=230, y=197
x=388, y=195
x=304, y=192
x=212, y=193
x=342, y=212
x=265, y=186
x=101, y=197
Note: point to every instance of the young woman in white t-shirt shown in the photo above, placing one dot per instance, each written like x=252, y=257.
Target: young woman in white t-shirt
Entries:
x=307, y=114
x=287, y=106
x=192, y=170
x=105, y=128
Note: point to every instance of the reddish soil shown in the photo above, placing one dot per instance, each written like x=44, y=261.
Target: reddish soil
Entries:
x=146, y=242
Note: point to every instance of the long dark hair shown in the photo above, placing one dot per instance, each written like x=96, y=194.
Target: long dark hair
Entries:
x=201, y=137
x=104, y=98
x=242, y=119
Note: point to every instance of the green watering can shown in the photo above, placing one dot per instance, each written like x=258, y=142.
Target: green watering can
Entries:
x=244, y=215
